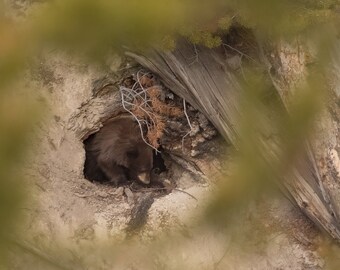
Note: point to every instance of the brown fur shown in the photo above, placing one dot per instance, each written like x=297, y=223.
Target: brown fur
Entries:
x=117, y=152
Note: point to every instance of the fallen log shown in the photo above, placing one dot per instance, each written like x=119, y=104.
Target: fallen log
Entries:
x=210, y=85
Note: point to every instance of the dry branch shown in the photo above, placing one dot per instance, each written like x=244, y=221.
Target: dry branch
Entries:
x=143, y=101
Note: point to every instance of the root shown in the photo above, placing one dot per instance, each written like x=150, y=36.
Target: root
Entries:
x=189, y=123
x=143, y=101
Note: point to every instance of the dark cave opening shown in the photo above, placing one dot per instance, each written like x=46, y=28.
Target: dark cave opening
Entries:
x=94, y=173
x=179, y=134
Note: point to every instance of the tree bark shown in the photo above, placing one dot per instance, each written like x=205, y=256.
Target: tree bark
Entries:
x=203, y=77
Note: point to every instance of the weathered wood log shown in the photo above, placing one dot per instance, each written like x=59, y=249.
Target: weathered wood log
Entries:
x=193, y=80
x=210, y=85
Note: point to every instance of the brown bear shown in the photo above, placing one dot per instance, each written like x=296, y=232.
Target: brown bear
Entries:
x=117, y=153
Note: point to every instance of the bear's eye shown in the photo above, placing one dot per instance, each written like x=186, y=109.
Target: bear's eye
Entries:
x=132, y=154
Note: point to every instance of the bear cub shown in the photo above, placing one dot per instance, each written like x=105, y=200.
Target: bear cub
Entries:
x=117, y=153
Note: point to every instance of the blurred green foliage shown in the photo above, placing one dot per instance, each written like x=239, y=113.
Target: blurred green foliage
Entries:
x=92, y=29
x=17, y=116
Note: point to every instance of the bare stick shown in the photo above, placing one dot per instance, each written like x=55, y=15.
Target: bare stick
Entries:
x=141, y=86
x=165, y=188
x=136, y=118
x=189, y=123
x=241, y=53
x=138, y=98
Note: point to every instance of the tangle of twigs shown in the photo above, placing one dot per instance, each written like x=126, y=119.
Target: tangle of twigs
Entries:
x=143, y=101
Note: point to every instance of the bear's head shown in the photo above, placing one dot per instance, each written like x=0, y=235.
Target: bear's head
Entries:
x=140, y=162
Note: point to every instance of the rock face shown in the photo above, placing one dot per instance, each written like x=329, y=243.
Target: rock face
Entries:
x=73, y=223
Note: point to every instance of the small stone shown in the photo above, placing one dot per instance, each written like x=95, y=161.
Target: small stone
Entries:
x=167, y=183
x=201, y=139
x=198, y=140
x=195, y=128
x=117, y=192
x=194, y=153
x=170, y=95
x=129, y=195
x=102, y=194
x=208, y=134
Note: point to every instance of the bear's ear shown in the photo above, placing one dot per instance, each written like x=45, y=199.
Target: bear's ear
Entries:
x=132, y=154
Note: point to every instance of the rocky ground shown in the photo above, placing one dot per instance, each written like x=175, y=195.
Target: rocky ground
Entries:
x=72, y=223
